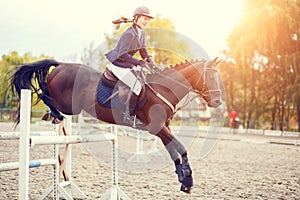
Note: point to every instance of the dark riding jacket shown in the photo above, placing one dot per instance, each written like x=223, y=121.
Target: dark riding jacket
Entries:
x=129, y=43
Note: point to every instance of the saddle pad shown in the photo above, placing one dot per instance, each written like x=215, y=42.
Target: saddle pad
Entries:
x=105, y=92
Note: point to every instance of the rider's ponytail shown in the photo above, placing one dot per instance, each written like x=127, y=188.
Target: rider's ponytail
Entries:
x=121, y=20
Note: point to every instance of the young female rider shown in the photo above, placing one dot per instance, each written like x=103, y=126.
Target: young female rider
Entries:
x=131, y=41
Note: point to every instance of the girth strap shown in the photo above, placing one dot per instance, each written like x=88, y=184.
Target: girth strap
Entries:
x=166, y=101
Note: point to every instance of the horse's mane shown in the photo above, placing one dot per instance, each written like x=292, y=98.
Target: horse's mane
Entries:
x=182, y=65
x=173, y=69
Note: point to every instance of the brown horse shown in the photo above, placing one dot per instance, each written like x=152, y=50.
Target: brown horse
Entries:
x=70, y=88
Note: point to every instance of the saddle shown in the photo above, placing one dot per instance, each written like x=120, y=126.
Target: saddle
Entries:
x=120, y=89
x=109, y=79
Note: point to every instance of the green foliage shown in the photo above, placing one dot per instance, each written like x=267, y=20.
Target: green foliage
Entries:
x=162, y=43
x=8, y=65
x=262, y=66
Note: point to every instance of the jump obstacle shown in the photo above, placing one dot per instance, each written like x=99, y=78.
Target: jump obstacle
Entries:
x=60, y=165
x=139, y=155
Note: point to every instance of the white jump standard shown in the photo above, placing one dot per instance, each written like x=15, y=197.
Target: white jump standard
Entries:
x=58, y=188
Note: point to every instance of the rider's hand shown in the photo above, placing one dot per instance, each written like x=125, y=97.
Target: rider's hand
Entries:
x=142, y=63
x=137, y=68
x=151, y=64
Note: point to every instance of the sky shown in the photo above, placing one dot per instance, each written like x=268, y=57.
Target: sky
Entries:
x=63, y=28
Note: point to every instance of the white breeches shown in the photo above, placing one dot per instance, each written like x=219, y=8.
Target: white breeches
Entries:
x=127, y=77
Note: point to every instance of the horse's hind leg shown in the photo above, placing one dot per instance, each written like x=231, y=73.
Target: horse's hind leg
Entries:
x=47, y=99
x=53, y=111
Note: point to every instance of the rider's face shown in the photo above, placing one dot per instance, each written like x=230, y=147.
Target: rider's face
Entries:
x=142, y=21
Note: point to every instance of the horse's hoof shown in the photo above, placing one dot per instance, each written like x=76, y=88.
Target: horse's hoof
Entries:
x=185, y=189
x=46, y=117
x=187, y=181
x=187, y=184
x=185, y=177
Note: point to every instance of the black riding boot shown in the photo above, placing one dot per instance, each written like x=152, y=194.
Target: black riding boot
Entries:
x=129, y=115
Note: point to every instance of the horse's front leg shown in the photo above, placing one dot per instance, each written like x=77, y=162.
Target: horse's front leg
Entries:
x=178, y=153
x=184, y=173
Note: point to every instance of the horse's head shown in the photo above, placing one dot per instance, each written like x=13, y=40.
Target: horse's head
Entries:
x=201, y=77
x=208, y=84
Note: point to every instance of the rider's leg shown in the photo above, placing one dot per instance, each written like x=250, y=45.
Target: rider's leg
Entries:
x=129, y=114
x=126, y=76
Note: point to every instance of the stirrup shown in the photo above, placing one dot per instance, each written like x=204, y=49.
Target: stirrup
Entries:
x=132, y=120
x=137, y=122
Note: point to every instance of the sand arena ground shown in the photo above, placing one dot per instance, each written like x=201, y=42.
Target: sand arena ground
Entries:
x=248, y=169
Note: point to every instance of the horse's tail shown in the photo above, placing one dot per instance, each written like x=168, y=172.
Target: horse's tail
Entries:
x=31, y=76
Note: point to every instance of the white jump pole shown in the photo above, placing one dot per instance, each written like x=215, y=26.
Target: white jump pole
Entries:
x=32, y=164
x=68, y=163
x=68, y=125
x=114, y=193
x=16, y=135
x=73, y=139
x=25, y=107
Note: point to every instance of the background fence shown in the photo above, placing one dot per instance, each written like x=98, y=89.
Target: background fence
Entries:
x=188, y=118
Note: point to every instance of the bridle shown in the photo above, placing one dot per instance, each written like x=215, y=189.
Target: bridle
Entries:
x=205, y=92
x=202, y=93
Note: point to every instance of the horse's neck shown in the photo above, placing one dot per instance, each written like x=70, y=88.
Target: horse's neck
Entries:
x=192, y=73
x=174, y=83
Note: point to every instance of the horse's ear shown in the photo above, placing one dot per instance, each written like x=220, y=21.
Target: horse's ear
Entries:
x=216, y=61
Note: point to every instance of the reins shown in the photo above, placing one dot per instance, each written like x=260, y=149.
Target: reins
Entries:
x=188, y=99
x=188, y=88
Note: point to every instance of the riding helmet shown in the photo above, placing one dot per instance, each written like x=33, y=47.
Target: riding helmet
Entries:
x=142, y=10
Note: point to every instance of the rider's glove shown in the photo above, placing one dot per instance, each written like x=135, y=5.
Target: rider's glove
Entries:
x=142, y=63
x=137, y=68
x=152, y=65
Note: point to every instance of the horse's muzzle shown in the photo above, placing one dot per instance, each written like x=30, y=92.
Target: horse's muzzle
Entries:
x=215, y=102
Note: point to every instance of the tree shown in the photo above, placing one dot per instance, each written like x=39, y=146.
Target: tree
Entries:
x=8, y=65
x=264, y=49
